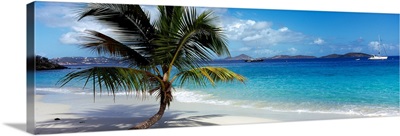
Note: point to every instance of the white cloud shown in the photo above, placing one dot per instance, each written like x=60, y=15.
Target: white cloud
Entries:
x=374, y=45
x=65, y=15
x=284, y=29
x=250, y=22
x=292, y=50
x=319, y=41
x=244, y=49
x=58, y=14
x=262, y=25
x=81, y=26
x=251, y=38
x=259, y=33
x=70, y=38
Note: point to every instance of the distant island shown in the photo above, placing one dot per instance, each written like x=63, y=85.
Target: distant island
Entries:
x=347, y=55
x=239, y=57
x=292, y=57
x=61, y=62
x=43, y=63
x=85, y=60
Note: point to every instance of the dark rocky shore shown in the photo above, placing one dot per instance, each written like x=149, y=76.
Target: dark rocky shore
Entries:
x=43, y=63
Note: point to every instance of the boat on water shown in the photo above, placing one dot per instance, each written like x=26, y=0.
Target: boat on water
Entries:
x=254, y=60
x=378, y=56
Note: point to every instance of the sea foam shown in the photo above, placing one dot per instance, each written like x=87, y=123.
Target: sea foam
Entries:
x=193, y=96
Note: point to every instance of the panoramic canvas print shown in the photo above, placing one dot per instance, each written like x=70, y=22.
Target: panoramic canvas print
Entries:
x=101, y=67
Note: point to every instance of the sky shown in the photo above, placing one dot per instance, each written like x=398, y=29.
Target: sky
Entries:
x=255, y=32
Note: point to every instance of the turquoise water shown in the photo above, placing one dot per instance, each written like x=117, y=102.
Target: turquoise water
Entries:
x=342, y=86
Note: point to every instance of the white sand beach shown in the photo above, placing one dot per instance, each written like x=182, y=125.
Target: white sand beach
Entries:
x=78, y=113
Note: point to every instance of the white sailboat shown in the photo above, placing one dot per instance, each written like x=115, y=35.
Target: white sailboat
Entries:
x=378, y=56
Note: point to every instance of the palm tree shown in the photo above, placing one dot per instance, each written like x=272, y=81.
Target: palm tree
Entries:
x=179, y=39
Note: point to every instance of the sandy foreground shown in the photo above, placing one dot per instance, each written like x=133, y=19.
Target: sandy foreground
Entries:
x=68, y=113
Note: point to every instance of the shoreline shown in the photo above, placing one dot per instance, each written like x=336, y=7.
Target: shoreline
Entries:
x=78, y=113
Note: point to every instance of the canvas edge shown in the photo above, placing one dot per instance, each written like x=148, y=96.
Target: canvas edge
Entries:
x=30, y=68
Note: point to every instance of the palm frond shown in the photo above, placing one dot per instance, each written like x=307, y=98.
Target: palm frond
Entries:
x=115, y=79
x=195, y=39
x=126, y=18
x=103, y=44
x=203, y=75
x=130, y=23
x=203, y=36
x=167, y=25
x=168, y=21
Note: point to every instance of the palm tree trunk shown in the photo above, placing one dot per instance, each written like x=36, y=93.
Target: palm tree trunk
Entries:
x=164, y=100
x=151, y=121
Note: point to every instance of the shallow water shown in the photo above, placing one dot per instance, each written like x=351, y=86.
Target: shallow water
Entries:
x=342, y=86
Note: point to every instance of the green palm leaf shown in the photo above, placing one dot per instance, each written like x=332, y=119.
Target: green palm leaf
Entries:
x=115, y=79
x=103, y=44
x=131, y=24
x=129, y=20
x=203, y=75
x=188, y=40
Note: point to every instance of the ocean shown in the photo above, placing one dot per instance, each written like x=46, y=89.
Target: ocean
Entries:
x=340, y=86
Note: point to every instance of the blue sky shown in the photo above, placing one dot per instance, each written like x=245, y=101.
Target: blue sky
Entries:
x=256, y=32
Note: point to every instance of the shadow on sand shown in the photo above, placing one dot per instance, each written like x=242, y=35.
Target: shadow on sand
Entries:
x=118, y=117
